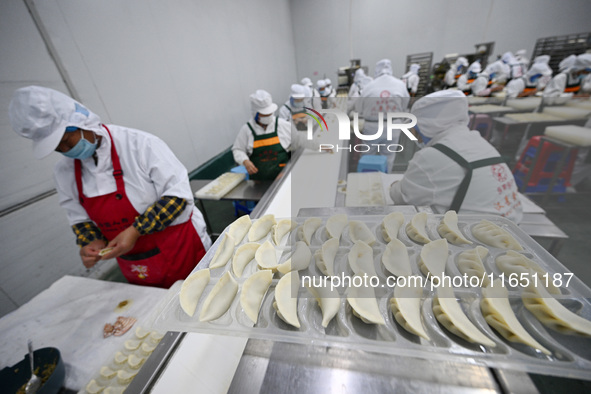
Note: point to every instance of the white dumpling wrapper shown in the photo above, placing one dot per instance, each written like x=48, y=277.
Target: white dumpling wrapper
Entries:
x=364, y=304
x=223, y=252
x=191, y=291
x=239, y=228
x=433, y=258
x=253, y=291
x=336, y=224
x=358, y=231
x=328, y=299
x=93, y=387
x=107, y=373
x=493, y=235
x=299, y=260
x=470, y=263
x=220, y=298
x=286, y=305
x=307, y=230
x=261, y=227
x=124, y=377
x=416, y=229
x=361, y=259
x=326, y=255
x=391, y=225
x=406, y=308
x=395, y=258
x=448, y=229
x=283, y=227
x=244, y=255
x=266, y=256
x=517, y=264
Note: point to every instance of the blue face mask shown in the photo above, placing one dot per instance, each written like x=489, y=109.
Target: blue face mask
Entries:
x=472, y=75
x=296, y=104
x=82, y=150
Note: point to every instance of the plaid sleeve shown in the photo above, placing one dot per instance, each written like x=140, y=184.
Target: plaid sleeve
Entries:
x=86, y=233
x=160, y=215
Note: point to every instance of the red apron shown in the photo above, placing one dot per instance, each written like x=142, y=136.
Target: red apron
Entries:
x=157, y=259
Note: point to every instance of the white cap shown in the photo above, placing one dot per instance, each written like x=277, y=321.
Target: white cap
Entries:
x=508, y=57
x=475, y=67
x=328, y=81
x=298, y=91
x=462, y=61
x=438, y=111
x=583, y=61
x=538, y=68
x=262, y=102
x=414, y=68
x=321, y=83
x=384, y=66
x=306, y=81
x=359, y=74
x=542, y=59
x=42, y=115
x=567, y=62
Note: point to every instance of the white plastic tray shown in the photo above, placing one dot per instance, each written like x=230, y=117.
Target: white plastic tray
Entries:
x=220, y=186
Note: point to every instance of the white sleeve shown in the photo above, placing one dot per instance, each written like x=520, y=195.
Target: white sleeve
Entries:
x=65, y=183
x=514, y=87
x=449, y=77
x=284, y=113
x=556, y=86
x=479, y=87
x=414, y=83
x=415, y=187
x=463, y=82
x=242, y=147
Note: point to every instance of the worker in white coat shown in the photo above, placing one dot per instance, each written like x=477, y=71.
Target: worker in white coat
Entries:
x=515, y=68
x=456, y=169
x=293, y=110
x=331, y=91
x=491, y=80
x=360, y=81
x=534, y=80
x=311, y=93
x=455, y=71
x=412, y=79
x=124, y=191
x=522, y=59
x=569, y=80
x=325, y=100
x=465, y=81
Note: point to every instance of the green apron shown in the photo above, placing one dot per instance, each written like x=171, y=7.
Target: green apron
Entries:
x=267, y=154
x=298, y=117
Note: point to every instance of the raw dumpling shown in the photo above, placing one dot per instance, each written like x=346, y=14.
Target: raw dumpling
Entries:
x=517, y=264
x=299, y=260
x=417, y=228
x=191, y=291
x=470, y=263
x=358, y=231
x=286, y=305
x=282, y=227
x=391, y=225
x=449, y=313
x=552, y=313
x=220, y=298
x=135, y=362
x=253, y=292
x=336, y=224
x=266, y=256
x=498, y=314
x=93, y=387
x=107, y=373
x=124, y=377
x=223, y=252
x=361, y=259
x=307, y=230
x=260, y=228
x=395, y=258
x=491, y=234
x=448, y=229
x=365, y=306
x=244, y=255
x=239, y=228
x=433, y=258
x=328, y=299
x=326, y=255
x=406, y=308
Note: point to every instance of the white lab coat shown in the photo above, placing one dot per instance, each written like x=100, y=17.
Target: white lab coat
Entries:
x=433, y=178
x=285, y=113
x=463, y=83
x=557, y=85
x=150, y=171
x=450, y=76
x=412, y=81
x=480, y=86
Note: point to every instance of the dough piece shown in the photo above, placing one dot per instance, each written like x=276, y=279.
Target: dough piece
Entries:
x=107, y=373
x=286, y=305
x=449, y=313
x=253, y=292
x=516, y=263
x=448, y=229
x=307, y=230
x=282, y=227
x=470, y=263
x=132, y=344
x=239, y=228
x=433, y=258
x=406, y=308
x=299, y=260
x=417, y=228
x=135, y=362
x=358, y=231
x=361, y=259
x=552, y=313
x=223, y=252
x=365, y=306
x=114, y=390
x=261, y=227
x=155, y=337
x=493, y=235
x=141, y=333
x=325, y=256
x=191, y=291
x=336, y=224
x=395, y=258
x=147, y=349
x=220, y=298
x=93, y=387
x=391, y=225
x=497, y=312
x=328, y=299
x=120, y=358
x=124, y=377
x=266, y=256
x=244, y=255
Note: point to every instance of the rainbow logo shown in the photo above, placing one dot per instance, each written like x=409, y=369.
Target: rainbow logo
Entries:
x=316, y=119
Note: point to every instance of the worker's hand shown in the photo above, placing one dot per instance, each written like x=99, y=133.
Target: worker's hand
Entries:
x=250, y=167
x=122, y=243
x=90, y=252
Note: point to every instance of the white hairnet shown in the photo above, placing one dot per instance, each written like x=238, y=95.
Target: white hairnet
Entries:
x=384, y=66
x=508, y=58
x=262, y=102
x=521, y=52
x=359, y=74
x=439, y=111
x=475, y=67
x=567, y=62
x=462, y=61
x=328, y=81
x=42, y=114
x=414, y=68
x=538, y=68
x=306, y=81
x=542, y=59
x=583, y=61
x=298, y=91
x=321, y=83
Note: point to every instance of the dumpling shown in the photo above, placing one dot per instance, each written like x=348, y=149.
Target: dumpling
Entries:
x=220, y=298
x=282, y=227
x=93, y=387
x=135, y=362
x=261, y=227
x=299, y=260
x=239, y=228
x=417, y=228
x=286, y=305
x=395, y=258
x=361, y=259
x=325, y=256
x=498, y=314
x=307, y=230
x=266, y=256
x=406, y=308
x=358, y=231
x=470, y=263
x=336, y=224
x=328, y=299
x=552, y=313
x=433, y=258
x=391, y=225
x=364, y=304
x=191, y=291
x=517, y=264
x=141, y=333
x=124, y=377
x=113, y=390
x=244, y=255
x=107, y=373
x=223, y=252
x=493, y=235
x=449, y=313
x=448, y=229
x=253, y=292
